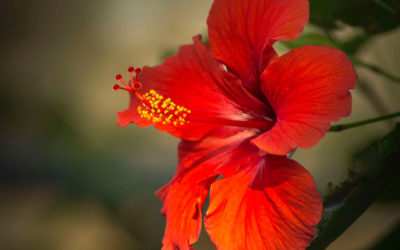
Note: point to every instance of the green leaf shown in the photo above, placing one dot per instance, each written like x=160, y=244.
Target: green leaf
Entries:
x=309, y=39
x=373, y=171
x=350, y=47
x=374, y=16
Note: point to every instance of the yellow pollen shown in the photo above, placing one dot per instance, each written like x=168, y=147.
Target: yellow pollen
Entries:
x=156, y=109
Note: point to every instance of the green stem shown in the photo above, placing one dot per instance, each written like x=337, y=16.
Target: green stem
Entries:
x=376, y=70
x=342, y=127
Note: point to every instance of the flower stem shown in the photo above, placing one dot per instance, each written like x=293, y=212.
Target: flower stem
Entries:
x=376, y=70
x=341, y=127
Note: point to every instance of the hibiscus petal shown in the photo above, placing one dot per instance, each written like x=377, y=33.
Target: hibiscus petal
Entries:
x=242, y=32
x=194, y=80
x=228, y=146
x=131, y=115
x=271, y=204
x=308, y=88
x=221, y=152
x=183, y=201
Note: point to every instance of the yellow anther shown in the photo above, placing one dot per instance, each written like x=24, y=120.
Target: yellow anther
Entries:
x=157, y=109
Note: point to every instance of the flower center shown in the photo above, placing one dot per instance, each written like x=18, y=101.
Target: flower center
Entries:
x=154, y=107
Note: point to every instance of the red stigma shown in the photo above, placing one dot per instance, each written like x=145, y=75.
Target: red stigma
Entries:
x=133, y=84
x=116, y=87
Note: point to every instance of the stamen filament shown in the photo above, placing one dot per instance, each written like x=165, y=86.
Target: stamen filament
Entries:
x=140, y=97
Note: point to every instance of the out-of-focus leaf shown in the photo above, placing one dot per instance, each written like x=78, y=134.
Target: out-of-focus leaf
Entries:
x=352, y=46
x=374, y=170
x=309, y=39
x=374, y=16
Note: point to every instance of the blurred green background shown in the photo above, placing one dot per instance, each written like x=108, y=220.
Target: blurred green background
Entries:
x=70, y=178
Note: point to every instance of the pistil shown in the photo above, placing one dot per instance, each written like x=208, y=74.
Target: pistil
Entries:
x=154, y=107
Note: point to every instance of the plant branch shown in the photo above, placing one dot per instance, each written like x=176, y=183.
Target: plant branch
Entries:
x=341, y=127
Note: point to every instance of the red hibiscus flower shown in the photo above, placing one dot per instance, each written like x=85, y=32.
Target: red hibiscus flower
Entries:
x=239, y=109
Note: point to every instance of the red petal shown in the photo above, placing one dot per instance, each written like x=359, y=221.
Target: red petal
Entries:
x=242, y=32
x=193, y=79
x=307, y=88
x=131, y=115
x=272, y=204
x=183, y=201
x=222, y=152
